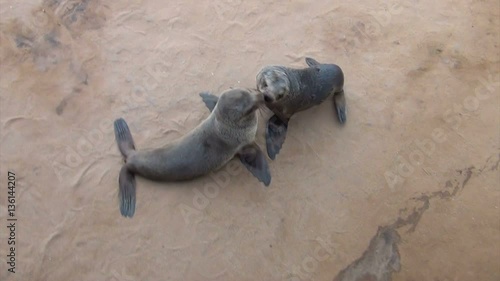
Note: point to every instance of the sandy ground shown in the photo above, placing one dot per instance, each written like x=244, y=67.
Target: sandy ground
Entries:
x=407, y=190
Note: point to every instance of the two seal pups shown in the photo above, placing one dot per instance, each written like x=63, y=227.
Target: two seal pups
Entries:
x=227, y=132
x=288, y=91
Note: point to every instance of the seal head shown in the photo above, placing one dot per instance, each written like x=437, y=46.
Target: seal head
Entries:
x=273, y=83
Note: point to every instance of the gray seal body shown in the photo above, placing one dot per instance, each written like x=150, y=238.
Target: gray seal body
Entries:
x=289, y=90
x=227, y=132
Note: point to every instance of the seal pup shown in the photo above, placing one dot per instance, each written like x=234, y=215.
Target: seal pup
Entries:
x=288, y=91
x=227, y=132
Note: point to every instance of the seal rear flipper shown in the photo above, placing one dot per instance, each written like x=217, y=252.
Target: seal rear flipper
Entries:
x=254, y=160
x=340, y=106
x=209, y=100
x=311, y=62
x=123, y=137
x=275, y=135
x=126, y=192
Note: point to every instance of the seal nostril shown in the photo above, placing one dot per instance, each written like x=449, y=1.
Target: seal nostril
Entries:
x=267, y=98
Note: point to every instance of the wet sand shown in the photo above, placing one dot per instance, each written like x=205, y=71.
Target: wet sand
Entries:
x=407, y=189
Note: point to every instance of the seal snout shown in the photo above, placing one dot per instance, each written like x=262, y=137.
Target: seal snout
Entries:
x=257, y=96
x=268, y=98
x=274, y=83
x=258, y=99
x=264, y=90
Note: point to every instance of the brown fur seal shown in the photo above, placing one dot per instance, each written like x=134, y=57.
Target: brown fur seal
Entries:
x=227, y=132
x=288, y=91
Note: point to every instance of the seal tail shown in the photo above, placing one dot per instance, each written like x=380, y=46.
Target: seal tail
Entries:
x=126, y=179
x=123, y=137
x=126, y=193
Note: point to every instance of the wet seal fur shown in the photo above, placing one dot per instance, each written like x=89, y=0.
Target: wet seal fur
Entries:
x=288, y=91
x=227, y=132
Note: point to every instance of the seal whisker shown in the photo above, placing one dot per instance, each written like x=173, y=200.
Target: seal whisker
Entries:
x=262, y=108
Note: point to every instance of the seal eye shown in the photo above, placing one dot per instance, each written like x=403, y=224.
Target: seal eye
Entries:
x=251, y=110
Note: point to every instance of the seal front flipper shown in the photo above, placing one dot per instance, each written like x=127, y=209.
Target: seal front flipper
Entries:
x=126, y=179
x=209, y=100
x=311, y=62
x=340, y=106
x=254, y=160
x=275, y=135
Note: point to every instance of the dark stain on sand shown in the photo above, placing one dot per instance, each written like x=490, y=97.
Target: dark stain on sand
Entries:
x=78, y=16
x=64, y=102
x=42, y=36
x=381, y=259
x=47, y=42
x=378, y=262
